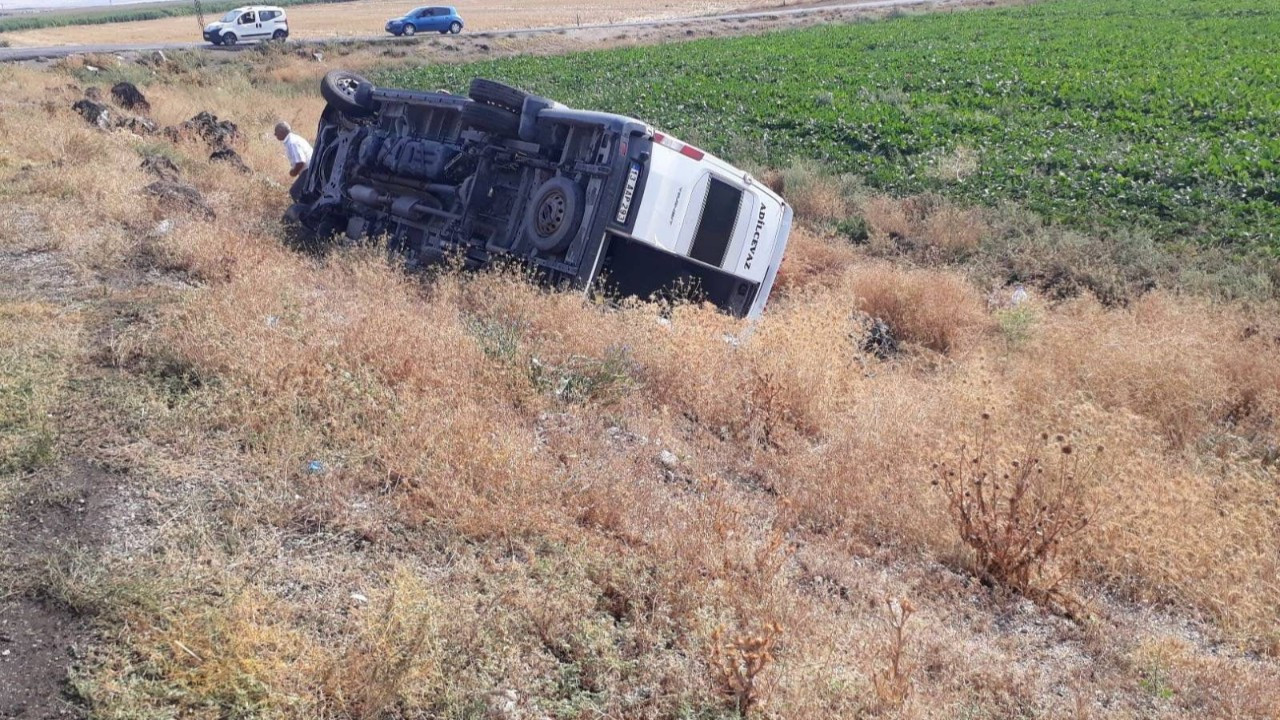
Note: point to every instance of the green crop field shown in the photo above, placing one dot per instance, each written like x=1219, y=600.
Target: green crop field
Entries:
x=1159, y=114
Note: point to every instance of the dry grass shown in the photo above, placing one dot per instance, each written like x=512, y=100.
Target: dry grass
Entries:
x=956, y=165
x=37, y=342
x=1007, y=245
x=527, y=505
x=926, y=227
x=932, y=308
x=815, y=195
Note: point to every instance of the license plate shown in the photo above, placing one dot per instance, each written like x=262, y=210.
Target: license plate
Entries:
x=624, y=207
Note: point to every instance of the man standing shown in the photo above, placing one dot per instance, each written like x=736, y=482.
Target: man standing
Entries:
x=296, y=148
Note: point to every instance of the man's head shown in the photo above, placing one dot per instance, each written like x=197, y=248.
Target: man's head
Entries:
x=282, y=130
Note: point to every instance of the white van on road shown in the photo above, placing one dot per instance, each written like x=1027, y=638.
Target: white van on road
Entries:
x=251, y=23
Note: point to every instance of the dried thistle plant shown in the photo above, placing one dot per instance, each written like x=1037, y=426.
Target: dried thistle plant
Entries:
x=892, y=681
x=737, y=661
x=1016, y=514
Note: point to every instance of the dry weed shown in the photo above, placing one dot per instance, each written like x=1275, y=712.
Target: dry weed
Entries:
x=394, y=649
x=926, y=228
x=887, y=217
x=1166, y=359
x=952, y=231
x=1015, y=513
x=737, y=660
x=892, y=682
x=935, y=309
x=956, y=165
x=812, y=261
x=816, y=196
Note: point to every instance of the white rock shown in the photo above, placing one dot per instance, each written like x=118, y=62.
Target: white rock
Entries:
x=360, y=598
x=668, y=459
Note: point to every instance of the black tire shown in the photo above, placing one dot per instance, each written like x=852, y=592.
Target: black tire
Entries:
x=279, y=36
x=347, y=92
x=455, y=27
x=490, y=119
x=229, y=39
x=497, y=94
x=409, y=30
x=554, y=214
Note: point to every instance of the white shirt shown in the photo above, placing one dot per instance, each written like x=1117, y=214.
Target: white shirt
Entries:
x=297, y=150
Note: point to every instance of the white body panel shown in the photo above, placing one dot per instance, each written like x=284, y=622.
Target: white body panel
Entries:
x=671, y=207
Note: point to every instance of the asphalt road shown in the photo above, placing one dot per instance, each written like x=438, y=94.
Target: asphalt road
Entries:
x=37, y=53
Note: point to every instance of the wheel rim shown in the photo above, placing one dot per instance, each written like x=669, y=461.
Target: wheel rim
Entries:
x=408, y=30
x=348, y=86
x=551, y=213
x=455, y=28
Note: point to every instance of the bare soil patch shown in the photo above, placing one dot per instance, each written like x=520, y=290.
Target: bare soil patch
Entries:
x=67, y=515
x=34, y=644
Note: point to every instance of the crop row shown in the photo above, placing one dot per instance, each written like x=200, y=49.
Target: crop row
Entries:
x=1161, y=114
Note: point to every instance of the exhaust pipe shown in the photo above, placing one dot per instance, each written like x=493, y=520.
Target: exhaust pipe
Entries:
x=405, y=206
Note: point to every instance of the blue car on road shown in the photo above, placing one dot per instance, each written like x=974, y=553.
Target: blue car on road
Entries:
x=426, y=19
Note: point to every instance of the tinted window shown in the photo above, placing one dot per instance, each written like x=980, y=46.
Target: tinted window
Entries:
x=266, y=15
x=719, y=215
x=246, y=18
